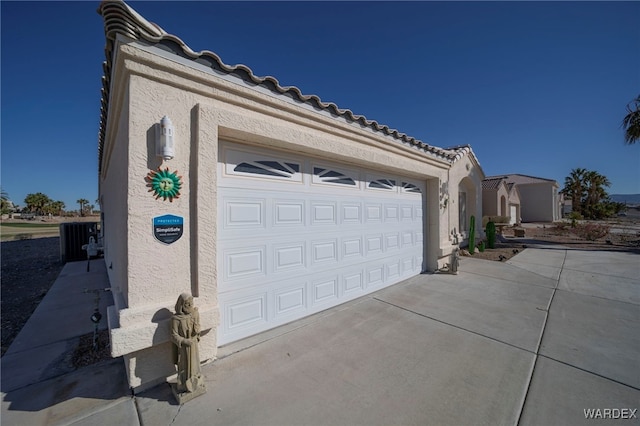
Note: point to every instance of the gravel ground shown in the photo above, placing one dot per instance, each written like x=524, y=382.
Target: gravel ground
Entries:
x=29, y=268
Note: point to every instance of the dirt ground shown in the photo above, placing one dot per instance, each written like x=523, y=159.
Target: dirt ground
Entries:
x=624, y=235
x=30, y=267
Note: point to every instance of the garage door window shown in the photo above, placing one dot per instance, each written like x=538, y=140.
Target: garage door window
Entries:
x=383, y=184
x=322, y=175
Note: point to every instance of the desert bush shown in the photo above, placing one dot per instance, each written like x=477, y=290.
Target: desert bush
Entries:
x=574, y=217
x=560, y=227
x=591, y=231
x=495, y=219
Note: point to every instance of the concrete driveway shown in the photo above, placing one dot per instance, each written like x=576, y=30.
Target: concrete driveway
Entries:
x=537, y=340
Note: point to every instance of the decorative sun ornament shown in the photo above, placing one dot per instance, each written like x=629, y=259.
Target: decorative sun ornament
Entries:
x=164, y=184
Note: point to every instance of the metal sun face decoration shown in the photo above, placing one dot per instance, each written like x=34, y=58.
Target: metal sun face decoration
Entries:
x=164, y=184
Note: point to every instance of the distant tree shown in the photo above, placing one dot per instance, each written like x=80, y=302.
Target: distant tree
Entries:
x=593, y=204
x=4, y=201
x=82, y=202
x=589, y=199
x=36, y=202
x=631, y=122
x=57, y=207
x=574, y=188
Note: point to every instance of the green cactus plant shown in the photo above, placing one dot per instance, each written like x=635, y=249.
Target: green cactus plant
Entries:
x=472, y=234
x=491, y=235
x=481, y=247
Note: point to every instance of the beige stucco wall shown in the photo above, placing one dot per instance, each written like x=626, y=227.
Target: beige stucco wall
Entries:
x=203, y=108
x=539, y=202
x=465, y=175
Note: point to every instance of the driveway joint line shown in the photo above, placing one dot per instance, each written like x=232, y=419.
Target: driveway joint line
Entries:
x=599, y=273
x=455, y=326
x=514, y=281
x=596, y=297
x=547, y=312
x=589, y=372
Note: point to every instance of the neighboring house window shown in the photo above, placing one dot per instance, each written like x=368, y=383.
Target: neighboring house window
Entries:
x=462, y=212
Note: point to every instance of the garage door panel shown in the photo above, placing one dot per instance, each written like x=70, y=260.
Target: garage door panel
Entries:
x=324, y=252
x=375, y=275
x=244, y=213
x=352, y=247
x=289, y=256
x=244, y=263
x=324, y=213
x=288, y=213
x=324, y=291
x=353, y=282
x=391, y=241
x=295, y=241
x=351, y=213
x=246, y=312
x=373, y=244
x=290, y=301
x=373, y=213
x=391, y=213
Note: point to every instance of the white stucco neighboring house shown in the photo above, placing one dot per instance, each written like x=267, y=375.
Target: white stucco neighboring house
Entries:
x=540, y=200
x=287, y=205
x=501, y=198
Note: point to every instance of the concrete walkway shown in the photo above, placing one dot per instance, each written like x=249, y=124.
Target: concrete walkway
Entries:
x=536, y=340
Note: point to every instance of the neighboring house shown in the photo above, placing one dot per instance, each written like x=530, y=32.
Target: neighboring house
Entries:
x=540, y=200
x=500, y=198
x=567, y=206
x=281, y=205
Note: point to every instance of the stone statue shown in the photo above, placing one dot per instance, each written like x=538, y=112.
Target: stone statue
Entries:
x=185, y=334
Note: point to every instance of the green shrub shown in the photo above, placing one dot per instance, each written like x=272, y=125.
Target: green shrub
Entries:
x=472, y=234
x=575, y=217
x=491, y=235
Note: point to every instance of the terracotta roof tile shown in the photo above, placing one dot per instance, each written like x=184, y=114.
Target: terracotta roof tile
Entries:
x=119, y=18
x=492, y=183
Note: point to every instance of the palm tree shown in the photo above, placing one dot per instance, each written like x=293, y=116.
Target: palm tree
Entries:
x=574, y=188
x=4, y=201
x=595, y=184
x=631, y=122
x=58, y=206
x=36, y=202
x=82, y=202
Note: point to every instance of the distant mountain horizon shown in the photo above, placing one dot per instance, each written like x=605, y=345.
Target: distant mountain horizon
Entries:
x=625, y=198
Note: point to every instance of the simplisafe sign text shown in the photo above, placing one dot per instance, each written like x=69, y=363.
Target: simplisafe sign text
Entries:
x=168, y=228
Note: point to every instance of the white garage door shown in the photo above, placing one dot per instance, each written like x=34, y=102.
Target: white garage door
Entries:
x=298, y=235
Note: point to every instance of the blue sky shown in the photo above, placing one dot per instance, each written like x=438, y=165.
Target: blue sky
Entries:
x=537, y=88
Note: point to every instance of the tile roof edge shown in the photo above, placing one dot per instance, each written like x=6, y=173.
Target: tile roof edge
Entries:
x=507, y=175
x=120, y=18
